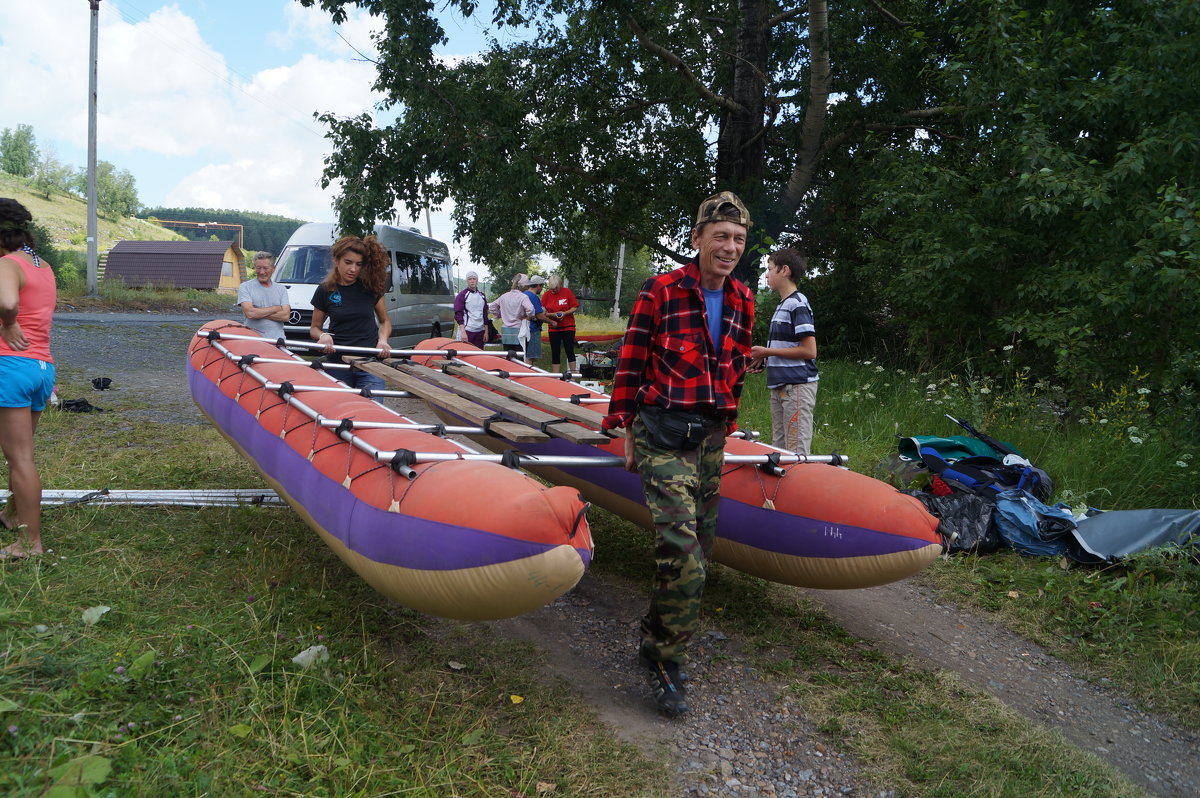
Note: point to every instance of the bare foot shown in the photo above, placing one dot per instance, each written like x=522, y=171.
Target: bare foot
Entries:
x=19, y=551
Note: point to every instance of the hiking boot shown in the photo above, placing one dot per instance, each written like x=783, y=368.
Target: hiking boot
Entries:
x=646, y=662
x=669, y=693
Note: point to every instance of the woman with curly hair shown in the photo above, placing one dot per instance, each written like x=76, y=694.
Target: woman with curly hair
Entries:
x=351, y=297
x=27, y=296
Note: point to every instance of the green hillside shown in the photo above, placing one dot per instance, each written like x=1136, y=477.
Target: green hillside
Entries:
x=64, y=217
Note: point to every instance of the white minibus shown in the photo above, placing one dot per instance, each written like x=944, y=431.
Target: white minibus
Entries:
x=419, y=298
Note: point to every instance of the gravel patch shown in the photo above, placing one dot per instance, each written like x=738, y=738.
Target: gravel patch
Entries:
x=144, y=354
x=743, y=737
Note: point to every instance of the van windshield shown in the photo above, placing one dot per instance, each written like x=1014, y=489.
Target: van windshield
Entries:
x=303, y=264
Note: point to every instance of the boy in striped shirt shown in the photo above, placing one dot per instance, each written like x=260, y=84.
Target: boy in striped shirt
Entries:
x=790, y=355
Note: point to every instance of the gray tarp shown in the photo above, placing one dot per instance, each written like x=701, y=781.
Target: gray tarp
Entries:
x=1117, y=533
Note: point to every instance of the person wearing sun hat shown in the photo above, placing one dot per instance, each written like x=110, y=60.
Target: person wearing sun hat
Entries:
x=533, y=341
x=678, y=381
x=512, y=307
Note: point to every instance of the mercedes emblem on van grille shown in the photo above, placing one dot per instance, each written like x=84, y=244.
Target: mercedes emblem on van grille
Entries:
x=294, y=317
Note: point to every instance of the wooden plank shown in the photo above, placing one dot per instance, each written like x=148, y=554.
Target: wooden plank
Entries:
x=515, y=432
x=508, y=406
x=513, y=388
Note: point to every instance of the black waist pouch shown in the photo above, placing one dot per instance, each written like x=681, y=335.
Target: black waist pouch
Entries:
x=675, y=429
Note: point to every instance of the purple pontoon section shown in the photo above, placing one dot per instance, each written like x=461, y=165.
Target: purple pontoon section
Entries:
x=392, y=538
x=745, y=524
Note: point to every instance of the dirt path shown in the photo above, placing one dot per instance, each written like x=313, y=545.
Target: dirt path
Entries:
x=741, y=739
x=907, y=620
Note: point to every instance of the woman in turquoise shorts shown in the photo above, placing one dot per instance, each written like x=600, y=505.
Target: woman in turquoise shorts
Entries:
x=27, y=296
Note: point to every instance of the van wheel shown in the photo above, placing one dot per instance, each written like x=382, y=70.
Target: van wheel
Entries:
x=435, y=331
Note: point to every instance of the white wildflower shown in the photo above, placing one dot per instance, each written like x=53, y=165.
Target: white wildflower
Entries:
x=1181, y=463
x=311, y=655
x=1008, y=348
x=1134, y=439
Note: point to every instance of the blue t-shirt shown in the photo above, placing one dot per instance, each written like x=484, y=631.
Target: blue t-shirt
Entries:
x=714, y=304
x=790, y=324
x=535, y=326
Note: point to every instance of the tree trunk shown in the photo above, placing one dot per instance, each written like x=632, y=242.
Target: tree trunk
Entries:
x=809, y=154
x=741, y=144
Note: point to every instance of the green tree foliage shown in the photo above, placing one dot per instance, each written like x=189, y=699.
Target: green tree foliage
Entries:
x=52, y=175
x=1060, y=213
x=965, y=174
x=595, y=287
x=612, y=121
x=18, y=151
x=116, y=190
x=62, y=261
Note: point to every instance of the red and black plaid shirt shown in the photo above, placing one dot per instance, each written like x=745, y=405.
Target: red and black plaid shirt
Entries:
x=668, y=358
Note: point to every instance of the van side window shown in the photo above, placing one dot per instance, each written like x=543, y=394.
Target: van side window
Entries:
x=405, y=268
x=426, y=275
x=430, y=276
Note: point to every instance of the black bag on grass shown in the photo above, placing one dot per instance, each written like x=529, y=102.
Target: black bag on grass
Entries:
x=964, y=521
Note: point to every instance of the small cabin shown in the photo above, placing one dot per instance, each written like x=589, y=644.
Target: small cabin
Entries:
x=207, y=265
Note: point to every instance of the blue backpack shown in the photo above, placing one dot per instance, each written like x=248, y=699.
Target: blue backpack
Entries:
x=987, y=474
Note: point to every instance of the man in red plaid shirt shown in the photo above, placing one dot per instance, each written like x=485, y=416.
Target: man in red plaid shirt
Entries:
x=679, y=377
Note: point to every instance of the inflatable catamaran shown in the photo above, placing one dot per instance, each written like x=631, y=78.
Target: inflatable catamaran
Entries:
x=451, y=532
x=788, y=519
x=461, y=533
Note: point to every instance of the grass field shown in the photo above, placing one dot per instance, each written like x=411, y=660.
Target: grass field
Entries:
x=151, y=653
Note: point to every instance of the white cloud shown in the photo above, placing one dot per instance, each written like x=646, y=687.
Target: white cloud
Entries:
x=45, y=83
x=191, y=129
x=271, y=155
x=163, y=89
x=309, y=28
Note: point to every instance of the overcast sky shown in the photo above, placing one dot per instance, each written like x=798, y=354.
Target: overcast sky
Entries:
x=206, y=103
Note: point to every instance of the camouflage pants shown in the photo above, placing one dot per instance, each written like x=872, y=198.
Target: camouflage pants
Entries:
x=682, y=490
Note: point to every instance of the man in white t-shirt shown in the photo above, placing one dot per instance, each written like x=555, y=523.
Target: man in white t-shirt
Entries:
x=264, y=303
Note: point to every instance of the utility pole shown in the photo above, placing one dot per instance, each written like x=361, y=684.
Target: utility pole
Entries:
x=93, y=255
x=616, y=308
